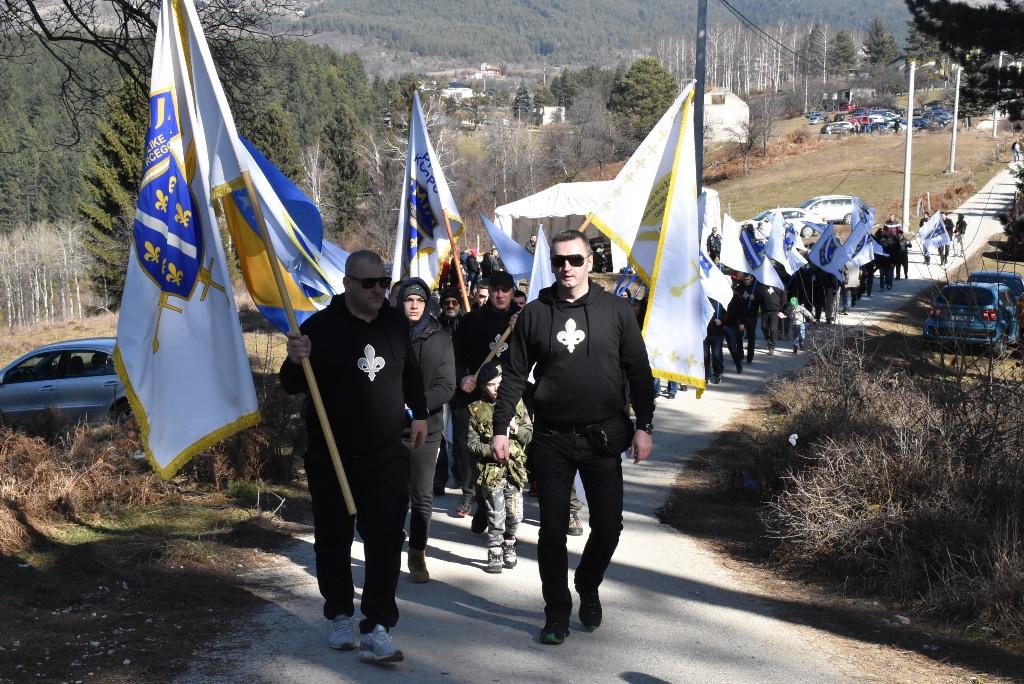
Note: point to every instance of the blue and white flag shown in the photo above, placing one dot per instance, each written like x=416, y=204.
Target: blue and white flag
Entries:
x=541, y=275
x=828, y=254
x=518, y=261
x=933, y=234
x=179, y=349
x=421, y=241
x=741, y=252
x=783, y=243
x=860, y=246
x=716, y=284
x=678, y=310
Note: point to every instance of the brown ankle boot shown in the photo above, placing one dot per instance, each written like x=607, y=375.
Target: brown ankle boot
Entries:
x=418, y=566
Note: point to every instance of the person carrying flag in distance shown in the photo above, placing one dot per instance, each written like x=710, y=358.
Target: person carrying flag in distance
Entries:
x=362, y=357
x=587, y=347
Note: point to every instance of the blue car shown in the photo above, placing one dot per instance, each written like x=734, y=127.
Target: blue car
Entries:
x=1014, y=281
x=919, y=122
x=974, y=314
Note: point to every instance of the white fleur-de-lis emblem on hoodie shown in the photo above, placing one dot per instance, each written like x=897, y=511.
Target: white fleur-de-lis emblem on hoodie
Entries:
x=503, y=349
x=571, y=337
x=371, y=364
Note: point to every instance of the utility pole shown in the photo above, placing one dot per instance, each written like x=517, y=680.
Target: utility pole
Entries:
x=906, y=154
x=956, y=121
x=995, y=107
x=700, y=72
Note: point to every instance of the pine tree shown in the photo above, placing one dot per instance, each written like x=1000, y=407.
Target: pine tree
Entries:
x=522, y=108
x=542, y=96
x=112, y=178
x=339, y=139
x=641, y=95
x=973, y=35
x=272, y=132
x=920, y=48
x=843, y=54
x=880, y=45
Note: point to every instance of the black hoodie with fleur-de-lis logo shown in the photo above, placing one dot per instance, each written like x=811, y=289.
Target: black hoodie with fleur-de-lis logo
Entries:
x=586, y=352
x=367, y=374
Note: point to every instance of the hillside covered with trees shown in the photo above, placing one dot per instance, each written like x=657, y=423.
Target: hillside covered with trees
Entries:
x=592, y=31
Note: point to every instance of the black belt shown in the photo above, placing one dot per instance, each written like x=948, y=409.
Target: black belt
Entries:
x=572, y=428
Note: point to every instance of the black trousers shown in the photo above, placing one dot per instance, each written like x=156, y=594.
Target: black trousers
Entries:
x=443, y=463
x=770, y=327
x=380, y=486
x=464, y=475
x=557, y=456
x=422, y=463
x=750, y=331
x=714, y=361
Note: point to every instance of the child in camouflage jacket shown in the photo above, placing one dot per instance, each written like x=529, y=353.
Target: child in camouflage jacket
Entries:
x=499, y=485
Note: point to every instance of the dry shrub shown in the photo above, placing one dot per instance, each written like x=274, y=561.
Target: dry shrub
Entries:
x=912, y=486
x=90, y=470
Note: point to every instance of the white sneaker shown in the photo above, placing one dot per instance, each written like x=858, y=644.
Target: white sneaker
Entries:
x=378, y=647
x=340, y=637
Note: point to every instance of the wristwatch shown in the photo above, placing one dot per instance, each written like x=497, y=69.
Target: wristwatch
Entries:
x=646, y=427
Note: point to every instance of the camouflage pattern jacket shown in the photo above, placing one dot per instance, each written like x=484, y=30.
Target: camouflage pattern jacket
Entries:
x=490, y=473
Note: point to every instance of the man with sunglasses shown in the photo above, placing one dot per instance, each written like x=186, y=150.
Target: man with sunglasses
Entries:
x=479, y=332
x=362, y=358
x=587, y=348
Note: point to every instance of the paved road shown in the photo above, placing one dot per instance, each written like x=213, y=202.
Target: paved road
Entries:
x=673, y=611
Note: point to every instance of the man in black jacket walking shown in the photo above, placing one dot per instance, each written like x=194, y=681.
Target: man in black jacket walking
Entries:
x=747, y=291
x=478, y=333
x=587, y=348
x=770, y=299
x=362, y=358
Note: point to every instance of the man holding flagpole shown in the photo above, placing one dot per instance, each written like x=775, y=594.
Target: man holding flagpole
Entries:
x=587, y=347
x=362, y=358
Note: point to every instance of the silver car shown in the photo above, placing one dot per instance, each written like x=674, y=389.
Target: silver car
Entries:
x=76, y=377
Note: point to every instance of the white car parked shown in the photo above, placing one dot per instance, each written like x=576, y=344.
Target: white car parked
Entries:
x=807, y=221
x=835, y=208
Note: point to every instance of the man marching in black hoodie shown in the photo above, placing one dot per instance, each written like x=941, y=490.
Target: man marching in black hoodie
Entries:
x=587, y=347
x=362, y=359
x=478, y=333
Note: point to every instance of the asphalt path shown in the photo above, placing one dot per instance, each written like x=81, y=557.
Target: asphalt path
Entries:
x=674, y=611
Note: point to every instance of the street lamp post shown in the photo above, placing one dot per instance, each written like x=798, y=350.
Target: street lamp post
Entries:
x=906, y=152
x=995, y=107
x=956, y=120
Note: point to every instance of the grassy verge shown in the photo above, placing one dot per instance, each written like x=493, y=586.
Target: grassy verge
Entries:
x=868, y=166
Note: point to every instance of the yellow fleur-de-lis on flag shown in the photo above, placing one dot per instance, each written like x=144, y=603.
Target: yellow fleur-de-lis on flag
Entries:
x=161, y=200
x=174, y=275
x=152, y=252
x=171, y=182
x=183, y=216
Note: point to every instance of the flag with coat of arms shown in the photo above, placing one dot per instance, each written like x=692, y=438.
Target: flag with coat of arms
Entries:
x=180, y=352
x=421, y=241
x=678, y=309
x=828, y=254
x=784, y=242
x=741, y=252
x=632, y=211
x=933, y=234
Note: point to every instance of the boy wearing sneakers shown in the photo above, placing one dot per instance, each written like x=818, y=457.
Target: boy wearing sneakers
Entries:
x=500, y=485
x=798, y=319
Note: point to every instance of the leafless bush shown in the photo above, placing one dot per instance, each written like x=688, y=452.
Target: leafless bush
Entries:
x=908, y=485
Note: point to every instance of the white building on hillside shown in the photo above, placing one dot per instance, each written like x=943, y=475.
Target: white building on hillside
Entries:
x=460, y=91
x=724, y=114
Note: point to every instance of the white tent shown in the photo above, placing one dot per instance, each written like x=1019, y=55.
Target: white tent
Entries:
x=566, y=206
x=561, y=207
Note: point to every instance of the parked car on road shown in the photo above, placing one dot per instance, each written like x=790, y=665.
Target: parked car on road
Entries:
x=919, y=122
x=846, y=107
x=76, y=377
x=835, y=208
x=807, y=221
x=836, y=128
x=1013, y=281
x=974, y=314
x=816, y=117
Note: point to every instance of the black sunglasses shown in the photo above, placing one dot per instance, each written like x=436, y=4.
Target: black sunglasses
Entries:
x=368, y=283
x=574, y=260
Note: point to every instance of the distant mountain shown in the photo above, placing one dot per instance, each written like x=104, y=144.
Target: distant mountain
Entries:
x=566, y=30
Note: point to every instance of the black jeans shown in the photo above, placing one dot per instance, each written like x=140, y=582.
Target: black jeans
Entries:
x=734, y=341
x=557, y=455
x=464, y=475
x=380, y=486
x=770, y=327
x=422, y=463
x=750, y=331
x=714, y=362
x=443, y=462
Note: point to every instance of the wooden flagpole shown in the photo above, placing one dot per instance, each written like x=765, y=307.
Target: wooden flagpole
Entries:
x=293, y=327
x=496, y=349
x=458, y=265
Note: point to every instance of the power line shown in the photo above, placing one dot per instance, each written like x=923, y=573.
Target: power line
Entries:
x=767, y=36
